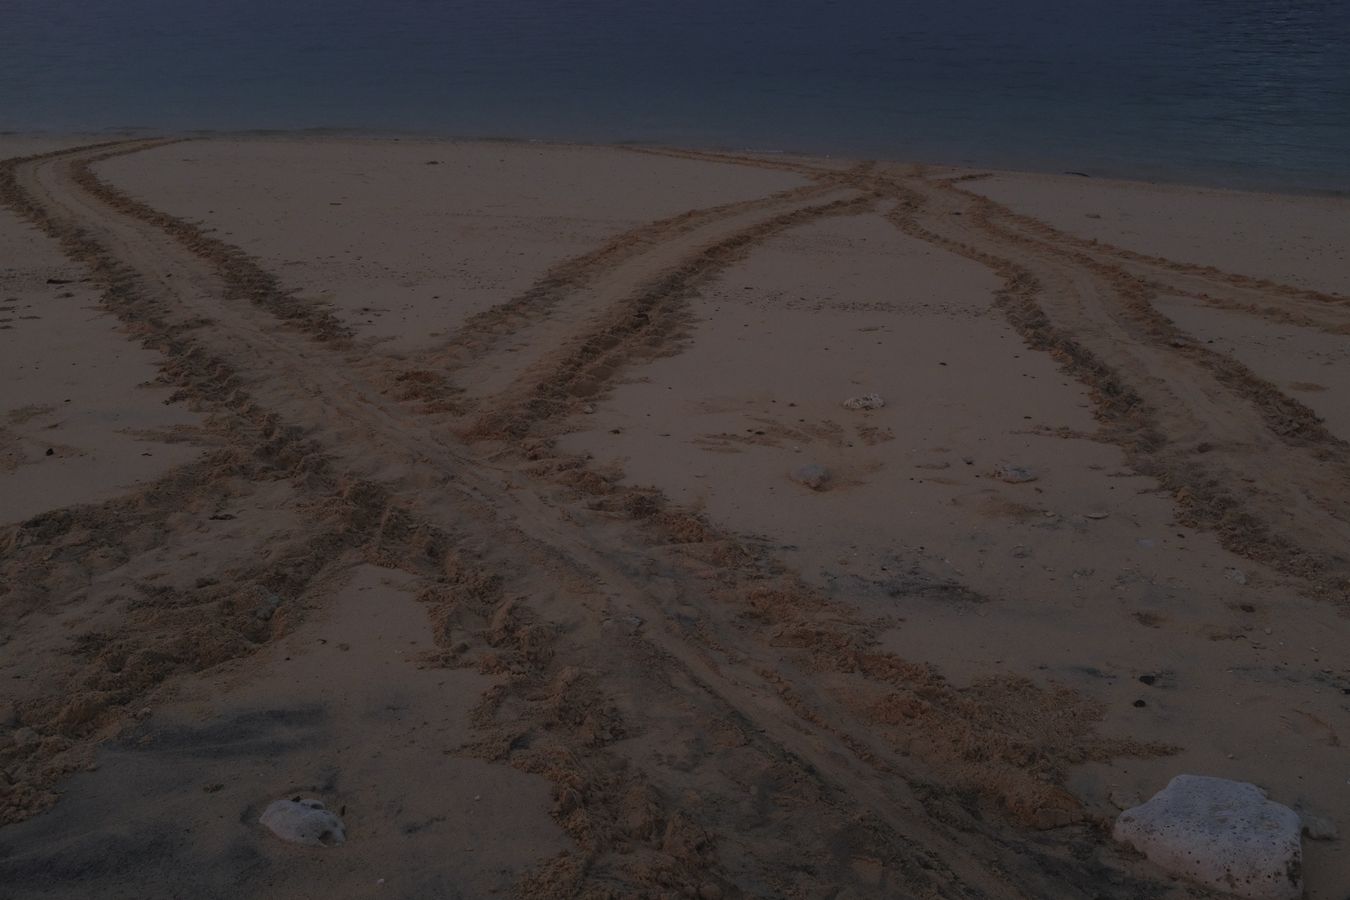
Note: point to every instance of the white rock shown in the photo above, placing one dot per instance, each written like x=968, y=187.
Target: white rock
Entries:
x=1014, y=474
x=303, y=820
x=1223, y=834
x=866, y=401
x=814, y=476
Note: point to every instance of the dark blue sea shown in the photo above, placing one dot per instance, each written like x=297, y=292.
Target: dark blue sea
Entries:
x=1253, y=93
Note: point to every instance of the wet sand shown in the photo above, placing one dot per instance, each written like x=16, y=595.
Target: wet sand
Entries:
x=450, y=482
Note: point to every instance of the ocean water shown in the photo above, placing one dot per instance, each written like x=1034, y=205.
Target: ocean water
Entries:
x=1253, y=93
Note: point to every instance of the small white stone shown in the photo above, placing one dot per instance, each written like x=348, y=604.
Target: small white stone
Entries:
x=1014, y=474
x=1223, y=834
x=303, y=820
x=814, y=476
x=866, y=401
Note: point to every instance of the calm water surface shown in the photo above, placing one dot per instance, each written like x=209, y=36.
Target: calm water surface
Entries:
x=1243, y=92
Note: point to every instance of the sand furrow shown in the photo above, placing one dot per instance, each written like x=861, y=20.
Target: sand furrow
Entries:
x=1281, y=303
x=381, y=529
x=1213, y=277
x=639, y=319
x=481, y=333
x=552, y=572
x=1164, y=393
x=1180, y=396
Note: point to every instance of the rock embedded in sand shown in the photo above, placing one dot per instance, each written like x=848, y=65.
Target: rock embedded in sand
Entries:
x=1223, y=834
x=268, y=607
x=1014, y=474
x=813, y=475
x=866, y=401
x=303, y=820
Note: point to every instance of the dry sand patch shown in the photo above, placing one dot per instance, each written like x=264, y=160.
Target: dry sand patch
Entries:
x=1299, y=240
x=406, y=250
x=81, y=416
x=1311, y=364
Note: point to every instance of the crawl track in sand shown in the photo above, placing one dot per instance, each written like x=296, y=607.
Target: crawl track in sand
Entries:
x=807, y=760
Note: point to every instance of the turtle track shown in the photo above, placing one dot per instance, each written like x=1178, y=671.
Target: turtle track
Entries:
x=1235, y=451
x=531, y=565
x=1264, y=297
x=481, y=333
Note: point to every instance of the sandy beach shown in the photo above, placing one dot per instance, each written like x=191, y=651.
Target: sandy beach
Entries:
x=506, y=496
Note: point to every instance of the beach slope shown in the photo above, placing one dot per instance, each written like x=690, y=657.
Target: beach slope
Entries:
x=586, y=521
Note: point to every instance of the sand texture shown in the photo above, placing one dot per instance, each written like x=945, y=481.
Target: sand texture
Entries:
x=504, y=498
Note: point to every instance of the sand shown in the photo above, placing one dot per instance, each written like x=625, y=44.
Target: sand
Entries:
x=408, y=238
x=81, y=390
x=449, y=482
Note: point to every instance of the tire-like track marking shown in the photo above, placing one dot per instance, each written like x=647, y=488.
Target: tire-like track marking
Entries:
x=537, y=590
x=1265, y=297
x=481, y=333
x=1242, y=458
x=1236, y=452
x=50, y=555
x=643, y=321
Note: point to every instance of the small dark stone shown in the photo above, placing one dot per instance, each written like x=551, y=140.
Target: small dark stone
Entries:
x=1140, y=703
x=1148, y=679
x=51, y=452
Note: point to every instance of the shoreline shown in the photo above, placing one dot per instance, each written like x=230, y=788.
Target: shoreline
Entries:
x=1251, y=184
